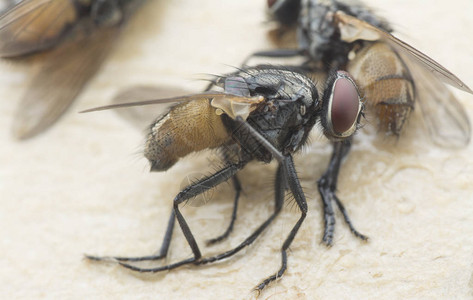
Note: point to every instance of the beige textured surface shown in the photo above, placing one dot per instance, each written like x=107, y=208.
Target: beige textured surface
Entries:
x=83, y=187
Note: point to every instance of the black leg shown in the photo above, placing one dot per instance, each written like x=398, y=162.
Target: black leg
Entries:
x=279, y=186
x=292, y=181
x=286, y=177
x=189, y=192
x=327, y=185
x=237, y=187
x=161, y=254
x=277, y=53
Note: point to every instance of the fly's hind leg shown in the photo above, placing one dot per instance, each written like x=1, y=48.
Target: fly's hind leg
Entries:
x=279, y=200
x=275, y=53
x=237, y=187
x=327, y=185
x=189, y=192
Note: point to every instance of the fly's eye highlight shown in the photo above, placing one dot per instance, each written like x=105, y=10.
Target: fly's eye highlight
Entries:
x=344, y=106
x=302, y=110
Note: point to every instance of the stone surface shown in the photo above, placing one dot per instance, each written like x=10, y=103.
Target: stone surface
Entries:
x=84, y=187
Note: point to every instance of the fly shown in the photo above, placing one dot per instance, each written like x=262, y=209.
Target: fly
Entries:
x=391, y=75
x=262, y=114
x=75, y=36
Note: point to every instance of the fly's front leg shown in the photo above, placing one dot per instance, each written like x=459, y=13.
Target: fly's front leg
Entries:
x=280, y=189
x=292, y=181
x=288, y=171
x=327, y=185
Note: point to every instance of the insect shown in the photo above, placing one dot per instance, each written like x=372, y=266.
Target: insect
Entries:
x=75, y=37
x=263, y=113
x=392, y=77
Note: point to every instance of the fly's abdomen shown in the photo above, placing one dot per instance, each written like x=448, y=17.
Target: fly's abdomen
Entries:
x=386, y=85
x=186, y=128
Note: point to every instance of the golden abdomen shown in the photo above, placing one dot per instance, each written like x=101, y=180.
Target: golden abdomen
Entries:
x=188, y=127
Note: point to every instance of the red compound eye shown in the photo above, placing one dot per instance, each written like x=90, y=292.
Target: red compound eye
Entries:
x=344, y=105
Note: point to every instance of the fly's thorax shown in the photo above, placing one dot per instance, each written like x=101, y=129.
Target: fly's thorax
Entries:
x=188, y=127
x=319, y=35
x=286, y=115
x=276, y=84
x=386, y=85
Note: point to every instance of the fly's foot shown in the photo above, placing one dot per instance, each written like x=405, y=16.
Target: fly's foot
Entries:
x=328, y=195
x=118, y=259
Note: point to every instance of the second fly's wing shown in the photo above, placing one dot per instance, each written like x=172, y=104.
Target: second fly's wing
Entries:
x=35, y=25
x=64, y=72
x=444, y=116
x=352, y=29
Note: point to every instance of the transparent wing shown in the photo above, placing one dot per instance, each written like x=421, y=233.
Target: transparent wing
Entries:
x=445, y=118
x=6, y=5
x=34, y=25
x=64, y=73
x=186, y=98
x=141, y=116
x=352, y=29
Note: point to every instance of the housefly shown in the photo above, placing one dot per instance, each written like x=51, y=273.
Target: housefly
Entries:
x=75, y=36
x=262, y=113
x=392, y=77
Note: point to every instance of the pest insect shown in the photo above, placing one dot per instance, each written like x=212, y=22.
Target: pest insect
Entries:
x=75, y=37
x=263, y=113
x=390, y=74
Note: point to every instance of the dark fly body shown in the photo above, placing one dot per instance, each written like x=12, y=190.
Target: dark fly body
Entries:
x=262, y=114
x=391, y=75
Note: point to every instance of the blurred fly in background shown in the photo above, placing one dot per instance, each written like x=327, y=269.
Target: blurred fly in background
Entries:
x=392, y=76
x=71, y=39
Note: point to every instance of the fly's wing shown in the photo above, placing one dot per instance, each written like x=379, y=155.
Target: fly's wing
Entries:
x=141, y=116
x=445, y=118
x=34, y=25
x=64, y=73
x=443, y=115
x=230, y=104
x=187, y=98
x=352, y=29
x=6, y=5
